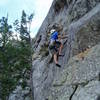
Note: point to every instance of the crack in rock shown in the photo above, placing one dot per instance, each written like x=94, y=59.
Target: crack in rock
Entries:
x=70, y=98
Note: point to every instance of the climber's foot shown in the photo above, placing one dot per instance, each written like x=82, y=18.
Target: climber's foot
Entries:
x=58, y=65
x=61, y=55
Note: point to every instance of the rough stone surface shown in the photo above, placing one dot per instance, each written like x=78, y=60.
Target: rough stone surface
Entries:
x=79, y=76
x=20, y=94
x=88, y=92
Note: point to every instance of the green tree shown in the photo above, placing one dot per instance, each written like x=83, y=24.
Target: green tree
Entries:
x=16, y=26
x=5, y=31
x=5, y=37
x=15, y=55
x=26, y=21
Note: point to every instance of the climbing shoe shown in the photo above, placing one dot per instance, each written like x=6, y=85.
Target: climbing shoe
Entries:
x=58, y=65
x=61, y=55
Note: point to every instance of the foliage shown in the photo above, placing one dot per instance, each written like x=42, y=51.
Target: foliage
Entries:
x=5, y=31
x=15, y=55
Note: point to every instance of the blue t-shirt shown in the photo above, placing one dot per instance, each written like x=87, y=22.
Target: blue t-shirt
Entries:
x=54, y=36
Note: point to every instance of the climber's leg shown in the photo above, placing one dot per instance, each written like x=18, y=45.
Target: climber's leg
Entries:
x=59, y=45
x=54, y=52
x=60, y=49
x=56, y=60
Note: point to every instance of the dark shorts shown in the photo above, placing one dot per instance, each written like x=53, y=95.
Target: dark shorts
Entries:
x=54, y=48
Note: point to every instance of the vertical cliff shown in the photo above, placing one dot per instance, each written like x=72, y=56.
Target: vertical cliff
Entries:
x=79, y=76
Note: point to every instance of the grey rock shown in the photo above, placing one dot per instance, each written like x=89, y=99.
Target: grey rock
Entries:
x=78, y=78
x=20, y=94
x=88, y=92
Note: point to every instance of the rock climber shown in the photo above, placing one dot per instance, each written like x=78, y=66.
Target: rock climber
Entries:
x=55, y=46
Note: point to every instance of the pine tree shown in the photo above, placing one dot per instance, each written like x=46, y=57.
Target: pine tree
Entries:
x=5, y=31
x=15, y=55
x=25, y=33
x=5, y=53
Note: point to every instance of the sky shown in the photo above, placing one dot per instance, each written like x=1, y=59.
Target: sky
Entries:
x=14, y=9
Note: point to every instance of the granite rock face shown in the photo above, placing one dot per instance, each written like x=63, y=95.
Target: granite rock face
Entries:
x=82, y=75
x=79, y=76
x=20, y=94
